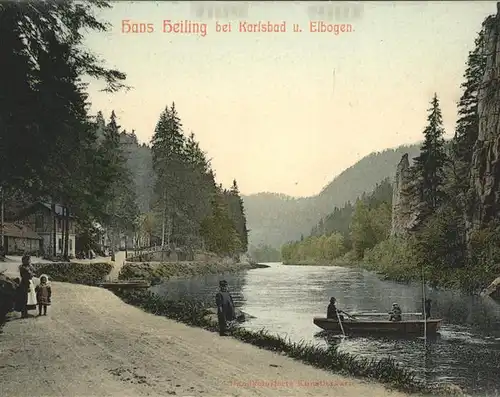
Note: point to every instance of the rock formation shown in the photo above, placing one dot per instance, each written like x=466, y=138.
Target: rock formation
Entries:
x=493, y=290
x=485, y=168
x=402, y=220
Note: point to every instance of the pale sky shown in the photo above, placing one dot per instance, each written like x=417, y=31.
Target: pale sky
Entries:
x=267, y=108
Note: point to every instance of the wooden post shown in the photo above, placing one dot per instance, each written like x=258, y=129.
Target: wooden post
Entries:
x=54, y=231
x=66, y=233
x=423, y=298
x=63, y=230
x=2, y=214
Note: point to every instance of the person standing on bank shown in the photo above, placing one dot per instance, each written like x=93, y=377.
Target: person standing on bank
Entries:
x=427, y=309
x=225, y=307
x=27, y=294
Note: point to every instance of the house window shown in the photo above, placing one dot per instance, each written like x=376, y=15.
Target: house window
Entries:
x=60, y=244
x=38, y=222
x=70, y=245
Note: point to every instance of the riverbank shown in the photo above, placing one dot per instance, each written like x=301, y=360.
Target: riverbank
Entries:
x=469, y=281
x=92, y=343
x=382, y=273
x=166, y=270
x=396, y=259
x=199, y=314
x=336, y=262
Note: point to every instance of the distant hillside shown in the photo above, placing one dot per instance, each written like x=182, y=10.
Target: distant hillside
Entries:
x=275, y=219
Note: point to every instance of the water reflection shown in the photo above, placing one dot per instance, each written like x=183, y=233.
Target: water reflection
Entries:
x=204, y=287
x=284, y=299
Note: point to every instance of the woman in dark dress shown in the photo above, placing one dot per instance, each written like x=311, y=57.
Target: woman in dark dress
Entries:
x=26, y=272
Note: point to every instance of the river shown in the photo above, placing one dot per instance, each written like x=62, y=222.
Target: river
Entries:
x=284, y=299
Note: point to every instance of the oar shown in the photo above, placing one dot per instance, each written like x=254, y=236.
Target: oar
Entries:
x=340, y=323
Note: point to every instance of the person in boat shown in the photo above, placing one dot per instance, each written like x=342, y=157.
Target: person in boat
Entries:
x=225, y=307
x=395, y=314
x=333, y=312
x=427, y=309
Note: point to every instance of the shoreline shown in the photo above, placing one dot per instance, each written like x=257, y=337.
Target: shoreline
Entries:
x=385, y=372
x=402, y=278
x=335, y=263
x=164, y=271
x=92, y=343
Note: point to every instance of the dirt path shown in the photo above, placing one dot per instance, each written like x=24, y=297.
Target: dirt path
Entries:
x=92, y=344
x=117, y=265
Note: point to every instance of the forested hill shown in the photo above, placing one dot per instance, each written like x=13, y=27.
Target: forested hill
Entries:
x=275, y=219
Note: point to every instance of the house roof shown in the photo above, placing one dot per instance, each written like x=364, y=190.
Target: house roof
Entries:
x=59, y=208
x=20, y=231
x=48, y=206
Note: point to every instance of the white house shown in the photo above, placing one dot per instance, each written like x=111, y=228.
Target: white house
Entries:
x=41, y=218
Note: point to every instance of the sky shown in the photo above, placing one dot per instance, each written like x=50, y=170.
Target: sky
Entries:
x=287, y=112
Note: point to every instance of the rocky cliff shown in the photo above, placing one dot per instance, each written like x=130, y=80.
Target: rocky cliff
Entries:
x=401, y=218
x=485, y=169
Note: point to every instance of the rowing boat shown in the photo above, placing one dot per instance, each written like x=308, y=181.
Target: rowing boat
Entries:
x=379, y=326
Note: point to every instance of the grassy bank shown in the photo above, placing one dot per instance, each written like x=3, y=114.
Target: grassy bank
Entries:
x=197, y=313
x=164, y=271
x=400, y=259
x=77, y=273
x=394, y=260
x=95, y=273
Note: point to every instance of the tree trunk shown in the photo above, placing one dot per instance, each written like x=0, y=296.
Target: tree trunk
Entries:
x=54, y=231
x=163, y=231
x=63, y=229
x=112, y=242
x=66, y=234
x=2, y=233
x=163, y=219
x=169, y=230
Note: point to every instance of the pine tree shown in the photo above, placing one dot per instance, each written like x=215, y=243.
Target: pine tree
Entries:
x=237, y=214
x=467, y=127
x=122, y=211
x=218, y=230
x=168, y=163
x=19, y=147
x=63, y=118
x=100, y=124
x=42, y=49
x=199, y=187
x=428, y=169
x=363, y=235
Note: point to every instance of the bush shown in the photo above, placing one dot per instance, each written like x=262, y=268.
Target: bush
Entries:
x=394, y=259
x=71, y=272
x=401, y=259
x=196, y=313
